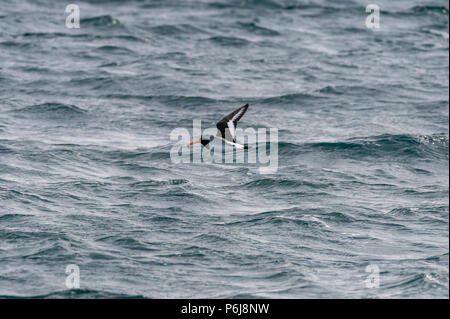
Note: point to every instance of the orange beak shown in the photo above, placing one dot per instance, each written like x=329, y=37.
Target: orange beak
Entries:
x=192, y=143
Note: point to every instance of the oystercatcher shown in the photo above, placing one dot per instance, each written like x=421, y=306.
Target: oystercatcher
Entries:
x=226, y=129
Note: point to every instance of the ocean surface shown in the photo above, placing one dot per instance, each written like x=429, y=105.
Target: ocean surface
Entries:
x=361, y=195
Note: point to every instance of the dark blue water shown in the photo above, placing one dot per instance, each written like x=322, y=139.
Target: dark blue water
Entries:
x=86, y=177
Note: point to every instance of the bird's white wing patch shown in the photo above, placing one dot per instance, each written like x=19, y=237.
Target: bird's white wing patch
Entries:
x=237, y=115
x=232, y=129
x=240, y=146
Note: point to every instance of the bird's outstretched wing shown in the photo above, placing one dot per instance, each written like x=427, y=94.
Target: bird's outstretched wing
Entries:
x=227, y=125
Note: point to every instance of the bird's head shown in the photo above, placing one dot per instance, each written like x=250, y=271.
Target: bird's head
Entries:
x=203, y=140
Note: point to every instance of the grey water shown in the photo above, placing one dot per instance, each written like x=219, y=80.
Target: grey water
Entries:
x=358, y=207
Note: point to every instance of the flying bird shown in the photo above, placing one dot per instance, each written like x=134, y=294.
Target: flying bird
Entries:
x=226, y=129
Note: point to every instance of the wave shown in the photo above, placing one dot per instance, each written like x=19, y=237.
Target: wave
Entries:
x=56, y=251
x=430, y=10
x=5, y=150
x=52, y=110
x=229, y=41
x=127, y=243
x=17, y=45
x=121, y=156
x=97, y=82
x=185, y=102
x=211, y=238
x=246, y=4
x=414, y=283
x=439, y=13
x=304, y=8
x=171, y=30
x=13, y=217
x=113, y=49
x=258, y=30
x=75, y=293
x=440, y=33
x=87, y=36
x=317, y=9
x=293, y=216
x=272, y=183
x=195, y=101
x=377, y=147
x=266, y=4
x=349, y=90
x=153, y=183
x=165, y=220
x=294, y=98
x=100, y=21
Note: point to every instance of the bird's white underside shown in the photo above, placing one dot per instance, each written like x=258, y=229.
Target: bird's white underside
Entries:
x=239, y=146
x=232, y=129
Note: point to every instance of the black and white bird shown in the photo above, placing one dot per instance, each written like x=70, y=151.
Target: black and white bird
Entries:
x=226, y=129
